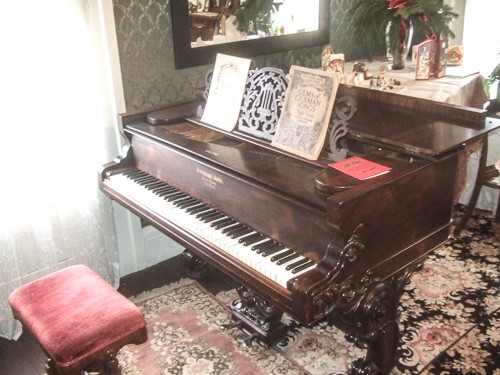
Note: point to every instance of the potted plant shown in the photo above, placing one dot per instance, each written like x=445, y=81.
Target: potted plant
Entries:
x=256, y=16
x=489, y=83
x=392, y=22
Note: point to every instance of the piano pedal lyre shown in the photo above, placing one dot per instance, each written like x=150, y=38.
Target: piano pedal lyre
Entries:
x=258, y=319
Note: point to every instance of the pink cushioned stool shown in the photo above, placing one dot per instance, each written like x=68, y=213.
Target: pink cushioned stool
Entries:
x=80, y=321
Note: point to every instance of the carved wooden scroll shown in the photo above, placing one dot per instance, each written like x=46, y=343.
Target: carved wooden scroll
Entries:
x=262, y=102
x=344, y=110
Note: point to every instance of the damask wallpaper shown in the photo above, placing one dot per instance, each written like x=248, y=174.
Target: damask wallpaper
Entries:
x=144, y=33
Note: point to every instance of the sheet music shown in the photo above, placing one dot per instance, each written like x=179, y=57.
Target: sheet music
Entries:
x=226, y=91
x=303, y=122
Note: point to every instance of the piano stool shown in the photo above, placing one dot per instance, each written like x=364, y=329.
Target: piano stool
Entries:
x=78, y=319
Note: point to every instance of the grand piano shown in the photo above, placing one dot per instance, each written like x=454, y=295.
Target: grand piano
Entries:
x=297, y=235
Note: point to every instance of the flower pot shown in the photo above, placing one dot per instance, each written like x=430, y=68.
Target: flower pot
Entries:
x=398, y=35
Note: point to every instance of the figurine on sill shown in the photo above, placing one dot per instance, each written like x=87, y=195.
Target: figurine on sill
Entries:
x=378, y=82
x=325, y=56
x=334, y=62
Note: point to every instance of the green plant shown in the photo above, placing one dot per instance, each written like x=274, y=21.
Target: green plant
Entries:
x=428, y=17
x=489, y=82
x=256, y=15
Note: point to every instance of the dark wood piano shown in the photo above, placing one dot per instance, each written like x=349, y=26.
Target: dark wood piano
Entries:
x=299, y=236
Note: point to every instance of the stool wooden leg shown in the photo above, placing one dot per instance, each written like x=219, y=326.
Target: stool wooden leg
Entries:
x=111, y=366
x=50, y=367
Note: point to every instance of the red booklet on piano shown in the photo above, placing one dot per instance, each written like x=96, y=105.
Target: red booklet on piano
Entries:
x=360, y=168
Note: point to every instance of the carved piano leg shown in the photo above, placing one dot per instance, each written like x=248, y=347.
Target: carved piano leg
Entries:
x=195, y=266
x=258, y=318
x=381, y=355
x=375, y=326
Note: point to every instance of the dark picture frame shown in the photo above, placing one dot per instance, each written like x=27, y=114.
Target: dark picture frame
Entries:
x=185, y=56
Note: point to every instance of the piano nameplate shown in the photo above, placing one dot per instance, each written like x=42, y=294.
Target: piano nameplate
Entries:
x=208, y=179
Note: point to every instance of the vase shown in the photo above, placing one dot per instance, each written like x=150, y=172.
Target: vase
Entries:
x=398, y=35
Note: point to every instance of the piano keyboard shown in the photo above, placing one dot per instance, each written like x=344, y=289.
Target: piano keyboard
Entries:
x=266, y=256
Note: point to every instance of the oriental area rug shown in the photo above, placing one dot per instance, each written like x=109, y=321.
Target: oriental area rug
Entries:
x=449, y=320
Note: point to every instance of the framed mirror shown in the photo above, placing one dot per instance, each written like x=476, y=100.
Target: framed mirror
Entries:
x=199, y=30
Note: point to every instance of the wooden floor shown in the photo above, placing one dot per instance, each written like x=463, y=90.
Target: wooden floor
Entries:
x=25, y=357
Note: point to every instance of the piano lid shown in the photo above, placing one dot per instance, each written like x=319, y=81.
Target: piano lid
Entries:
x=412, y=125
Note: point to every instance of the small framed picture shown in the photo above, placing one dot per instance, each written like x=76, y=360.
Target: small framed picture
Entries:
x=455, y=55
x=425, y=59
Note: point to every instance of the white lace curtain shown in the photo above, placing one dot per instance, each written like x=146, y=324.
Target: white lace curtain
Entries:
x=481, y=41
x=54, y=131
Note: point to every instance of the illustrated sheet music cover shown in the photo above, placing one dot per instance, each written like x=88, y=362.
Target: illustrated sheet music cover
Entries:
x=226, y=91
x=303, y=123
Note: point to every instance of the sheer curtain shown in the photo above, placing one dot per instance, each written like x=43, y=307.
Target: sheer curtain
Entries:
x=55, y=133
x=481, y=40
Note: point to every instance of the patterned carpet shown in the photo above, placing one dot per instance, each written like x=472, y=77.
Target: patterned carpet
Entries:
x=449, y=322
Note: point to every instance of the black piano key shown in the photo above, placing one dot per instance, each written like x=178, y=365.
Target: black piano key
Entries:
x=171, y=193
x=142, y=179
x=303, y=267
x=241, y=232
x=165, y=191
x=205, y=214
x=229, y=230
x=225, y=224
x=183, y=200
x=139, y=178
x=264, y=245
x=173, y=197
x=145, y=181
x=296, y=264
x=251, y=239
x=221, y=221
x=171, y=189
x=195, y=209
x=214, y=216
x=161, y=186
x=186, y=200
x=195, y=206
x=272, y=249
x=178, y=199
x=134, y=173
x=189, y=203
x=287, y=259
x=153, y=185
x=281, y=255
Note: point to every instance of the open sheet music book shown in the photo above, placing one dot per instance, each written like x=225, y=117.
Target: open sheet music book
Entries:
x=226, y=91
x=303, y=123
